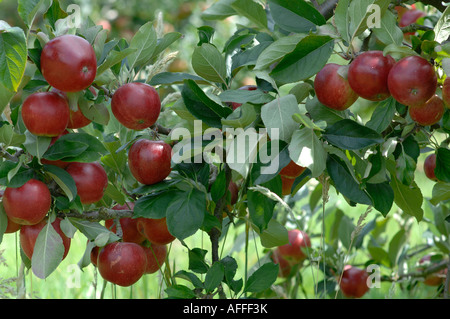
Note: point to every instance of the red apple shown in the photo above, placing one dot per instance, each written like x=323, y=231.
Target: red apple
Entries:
x=368, y=74
x=27, y=204
x=136, y=105
x=68, y=63
x=429, y=165
x=284, y=266
x=293, y=252
x=286, y=185
x=45, y=114
x=94, y=255
x=354, y=282
x=446, y=92
x=150, y=161
x=333, y=90
x=29, y=234
x=76, y=118
x=155, y=230
x=412, y=81
x=410, y=16
x=156, y=256
x=292, y=170
x=91, y=181
x=429, y=113
x=11, y=226
x=234, y=190
x=130, y=232
x=235, y=105
x=122, y=263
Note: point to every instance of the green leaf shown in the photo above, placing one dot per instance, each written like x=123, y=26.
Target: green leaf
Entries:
x=260, y=208
x=408, y=198
x=295, y=16
x=144, y=42
x=277, y=117
x=96, y=112
x=382, y=196
x=219, y=187
x=48, y=252
x=405, y=169
x=442, y=27
x=440, y=193
x=214, y=276
x=342, y=19
x=36, y=145
x=28, y=9
x=113, y=58
x=344, y=182
x=308, y=58
x=252, y=11
x=209, y=63
x=153, y=205
x=201, y=106
x=197, y=260
x=395, y=247
x=361, y=16
x=13, y=57
x=245, y=96
x=274, y=235
x=389, y=31
x=92, y=229
x=349, y=135
x=382, y=115
x=320, y=112
x=54, y=13
x=262, y=278
x=179, y=292
x=8, y=137
x=3, y=222
x=219, y=10
x=442, y=170
x=186, y=212
x=306, y=150
x=63, y=179
x=72, y=148
x=173, y=78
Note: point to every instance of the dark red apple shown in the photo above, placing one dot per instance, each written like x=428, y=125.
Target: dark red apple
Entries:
x=136, y=105
x=29, y=234
x=429, y=165
x=294, y=252
x=11, y=226
x=155, y=230
x=27, y=204
x=150, y=161
x=429, y=113
x=90, y=179
x=354, y=282
x=410, y=16
x=332, y=89
x=130, y=232
x=156, y=256
x=286, y=185
x=122, y=263
x=68, y=63
x=368, y=74
x=412, y=81
x=284, y=266
x=446, y=92
x=292, y=170
x=45, y=114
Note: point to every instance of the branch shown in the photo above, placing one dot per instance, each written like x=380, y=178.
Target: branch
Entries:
x=415, y=27
x=161, y=129
x=97, y=215
x=419, y=274
x=326, y=8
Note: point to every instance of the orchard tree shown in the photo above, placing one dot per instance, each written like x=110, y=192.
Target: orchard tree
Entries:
x=99, y=136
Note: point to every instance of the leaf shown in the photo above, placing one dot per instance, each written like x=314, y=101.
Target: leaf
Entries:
x=360, y=12
x=342, y=19
x=214, y=276
x=243, y=96
x=209, y=63
x=201, y=106
x=382, y=115
x=8, y=137
x=320, y=112
x=405, y=169
x=28, y=9
x=144, y=42
x=344, y=182
x=186, y=213
x=179, y=292
x=308, y=58
x=54, y=13
x=92, y=229
x=113, y=58
x=382, y=196
x=252, y=11
x=349, y=135
x=307, y=150
x=13, y=57
x=63, y=179
x=295, y=16
x=442, y=27
x=153, y=205
x=173, y=78
x=408, y=198
x=440, y=193
x=274, y=235
x=389, y=31
x=36, y=145
x=262, y=278
x=219, y=10
x=48, y=252
x=442, y=170
x=260, y=208
x=277, y=117
x=197, y=260
x=395, y=247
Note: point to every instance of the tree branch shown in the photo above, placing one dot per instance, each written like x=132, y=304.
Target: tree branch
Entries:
x=97, y=215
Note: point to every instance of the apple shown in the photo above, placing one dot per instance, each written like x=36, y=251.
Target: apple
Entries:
x=122, y=263
x=94, y=255
x=76, y=118
x=150, y=161
x=235, y=105
x=68, y=63
x=434, y=279
x=412, y=81
x=292, y=170
x=130, y=232
x=354, y=282
x=429, y=113
x=368, y=74
x=284, y=266
x=234, y=190
x=136, y=105
x=58, y=163
x=155, y=230
x=156, y=256
x=29, y=234
x=286, y=185
x=11, y=226
x=293, y=251
x=90, y=179
x=429, y=165
x=45, y=114
x=446, y=92
x=410, y=16
x=332, y=89
x=27, y=204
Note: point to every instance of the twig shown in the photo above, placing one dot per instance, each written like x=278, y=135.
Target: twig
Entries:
x=98, y=215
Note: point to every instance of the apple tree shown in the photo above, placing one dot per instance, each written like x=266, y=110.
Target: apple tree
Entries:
x=99, y=136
